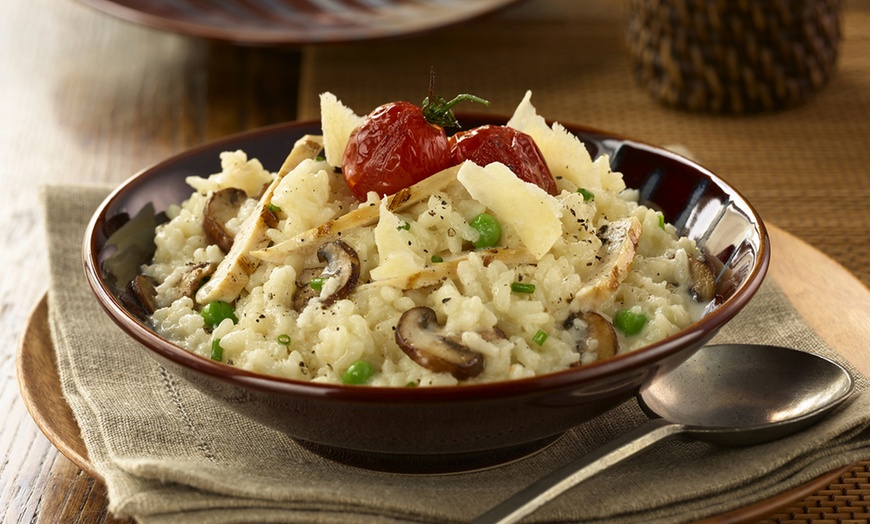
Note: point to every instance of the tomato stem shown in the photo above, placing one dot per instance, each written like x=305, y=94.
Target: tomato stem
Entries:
x=438, y=111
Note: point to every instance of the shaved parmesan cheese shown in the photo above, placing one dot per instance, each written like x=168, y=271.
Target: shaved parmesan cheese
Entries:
x=533, y=214
x=338, y=122
x=397, y=258
x=566, y=155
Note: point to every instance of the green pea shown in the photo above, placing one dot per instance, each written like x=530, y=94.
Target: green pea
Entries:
x=358, y=373
x=215, y=312
x=629, y=322
x=489, y=229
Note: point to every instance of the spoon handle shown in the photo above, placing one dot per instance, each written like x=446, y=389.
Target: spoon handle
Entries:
x=549, y=487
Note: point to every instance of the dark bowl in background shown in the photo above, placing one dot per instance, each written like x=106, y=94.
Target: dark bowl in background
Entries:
x=442, y=428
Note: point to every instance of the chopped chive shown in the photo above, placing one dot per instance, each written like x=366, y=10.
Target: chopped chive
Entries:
x=406, y=226
x=540, y=337
x=284, y=339
x=587, y=195
x=317, y=283
x=217, y=352
x=436, y=259
x=520, y=287
x=662, y=221
x=273, y=208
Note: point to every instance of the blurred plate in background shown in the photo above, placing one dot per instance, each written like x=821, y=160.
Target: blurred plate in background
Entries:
x=291, y=22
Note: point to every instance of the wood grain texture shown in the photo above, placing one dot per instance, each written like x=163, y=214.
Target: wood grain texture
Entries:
x=40, y=387
x=86, y=98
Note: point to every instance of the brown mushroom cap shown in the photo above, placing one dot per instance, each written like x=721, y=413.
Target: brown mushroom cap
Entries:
x=304, y=292
x=222, y=206
x=195, y=276
x=143, y=289
x=193, y=279
x=704, y=287
x=424, y=341
x=594, y=333
x=342, y=263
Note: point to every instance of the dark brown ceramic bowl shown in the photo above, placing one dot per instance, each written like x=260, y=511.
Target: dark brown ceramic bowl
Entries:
x=441, y=428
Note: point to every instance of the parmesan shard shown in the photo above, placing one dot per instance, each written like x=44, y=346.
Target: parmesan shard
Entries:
x=359, y=217
x=533, y=214
x=338, y=122
x=617, y=256
x=396, y=256
x=233, y=272
x=567, y=157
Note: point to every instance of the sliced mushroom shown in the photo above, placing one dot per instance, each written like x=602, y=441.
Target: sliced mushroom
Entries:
x=342, y=263
x=304, y=292
x=235, y=269
x=360, y=217
x=704, y=287
x=195, y=277
x=593, y=333
x=222, y=206
x=436, y=273
x=619, y=244
x=185, y=286
x=425, y=342
x=142, y=288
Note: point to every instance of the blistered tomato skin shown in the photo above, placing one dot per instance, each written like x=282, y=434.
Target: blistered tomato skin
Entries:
x=393, y=148
x=517, y=150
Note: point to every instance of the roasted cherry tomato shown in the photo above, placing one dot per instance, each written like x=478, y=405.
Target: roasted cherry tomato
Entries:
x=399, y=144
x=394, y=148
x=517, y=150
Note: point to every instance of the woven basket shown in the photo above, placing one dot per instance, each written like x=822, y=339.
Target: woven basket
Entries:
x=733, y=56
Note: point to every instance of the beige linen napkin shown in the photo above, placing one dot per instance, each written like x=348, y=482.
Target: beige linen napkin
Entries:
x=170, y=454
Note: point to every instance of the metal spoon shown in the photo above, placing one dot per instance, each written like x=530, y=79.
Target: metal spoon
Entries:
x=733, y=395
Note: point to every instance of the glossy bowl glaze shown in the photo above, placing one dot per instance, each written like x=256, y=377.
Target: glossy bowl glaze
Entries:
x=440, y=428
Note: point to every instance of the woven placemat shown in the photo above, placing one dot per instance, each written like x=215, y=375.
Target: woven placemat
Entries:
x=806, y=169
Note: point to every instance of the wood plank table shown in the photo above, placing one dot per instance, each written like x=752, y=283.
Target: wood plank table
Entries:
x=86, y=98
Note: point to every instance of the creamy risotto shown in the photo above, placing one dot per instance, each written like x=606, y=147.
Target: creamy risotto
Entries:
x=288, y=274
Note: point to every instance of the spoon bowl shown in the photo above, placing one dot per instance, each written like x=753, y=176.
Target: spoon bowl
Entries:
x=732, y=395
x=740, y=394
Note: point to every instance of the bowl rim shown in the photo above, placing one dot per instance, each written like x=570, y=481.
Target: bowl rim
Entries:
x=571, y=377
